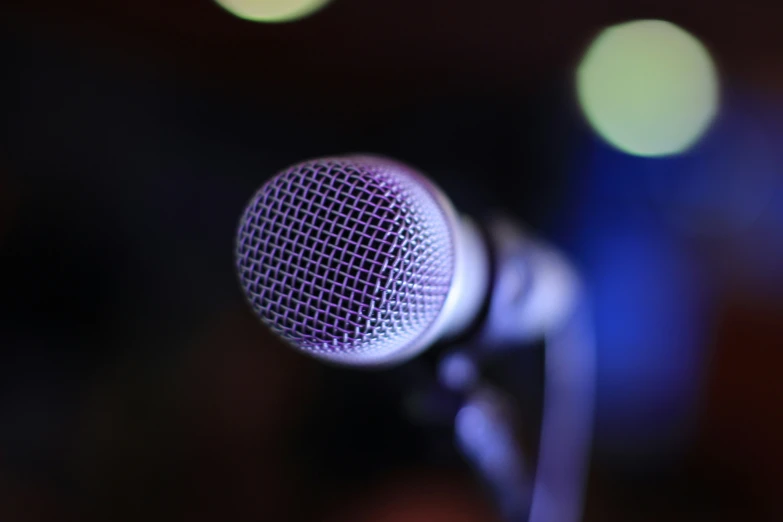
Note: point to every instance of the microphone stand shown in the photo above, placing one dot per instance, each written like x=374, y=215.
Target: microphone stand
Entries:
x=484, y=425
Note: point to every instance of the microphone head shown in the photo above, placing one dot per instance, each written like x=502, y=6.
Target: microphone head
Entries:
x=349, y=259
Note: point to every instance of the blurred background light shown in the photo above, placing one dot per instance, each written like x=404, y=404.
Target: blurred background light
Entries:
x=722, y=188
x=272, y=10
x=648, y=87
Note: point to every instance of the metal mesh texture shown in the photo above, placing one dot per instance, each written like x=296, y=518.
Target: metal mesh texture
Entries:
x=348, y=256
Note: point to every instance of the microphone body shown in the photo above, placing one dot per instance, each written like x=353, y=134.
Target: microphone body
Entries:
x=362, y=261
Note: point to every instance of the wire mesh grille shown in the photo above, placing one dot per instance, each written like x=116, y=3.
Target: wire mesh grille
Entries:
x=345, y=256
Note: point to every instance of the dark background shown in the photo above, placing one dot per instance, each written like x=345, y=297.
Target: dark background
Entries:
x=135, y=383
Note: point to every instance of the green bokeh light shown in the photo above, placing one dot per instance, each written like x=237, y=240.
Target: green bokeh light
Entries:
x=648, y=87
x=272, y=11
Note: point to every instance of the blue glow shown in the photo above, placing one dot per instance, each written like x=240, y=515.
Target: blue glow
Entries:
x=632, y=232
x=649, y=297
x=723, y=186
x=649, y=325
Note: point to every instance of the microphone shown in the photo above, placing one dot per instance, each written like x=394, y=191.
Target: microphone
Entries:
x=360, y=260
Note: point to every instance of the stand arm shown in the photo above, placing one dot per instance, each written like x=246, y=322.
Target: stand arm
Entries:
x=535, y=295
